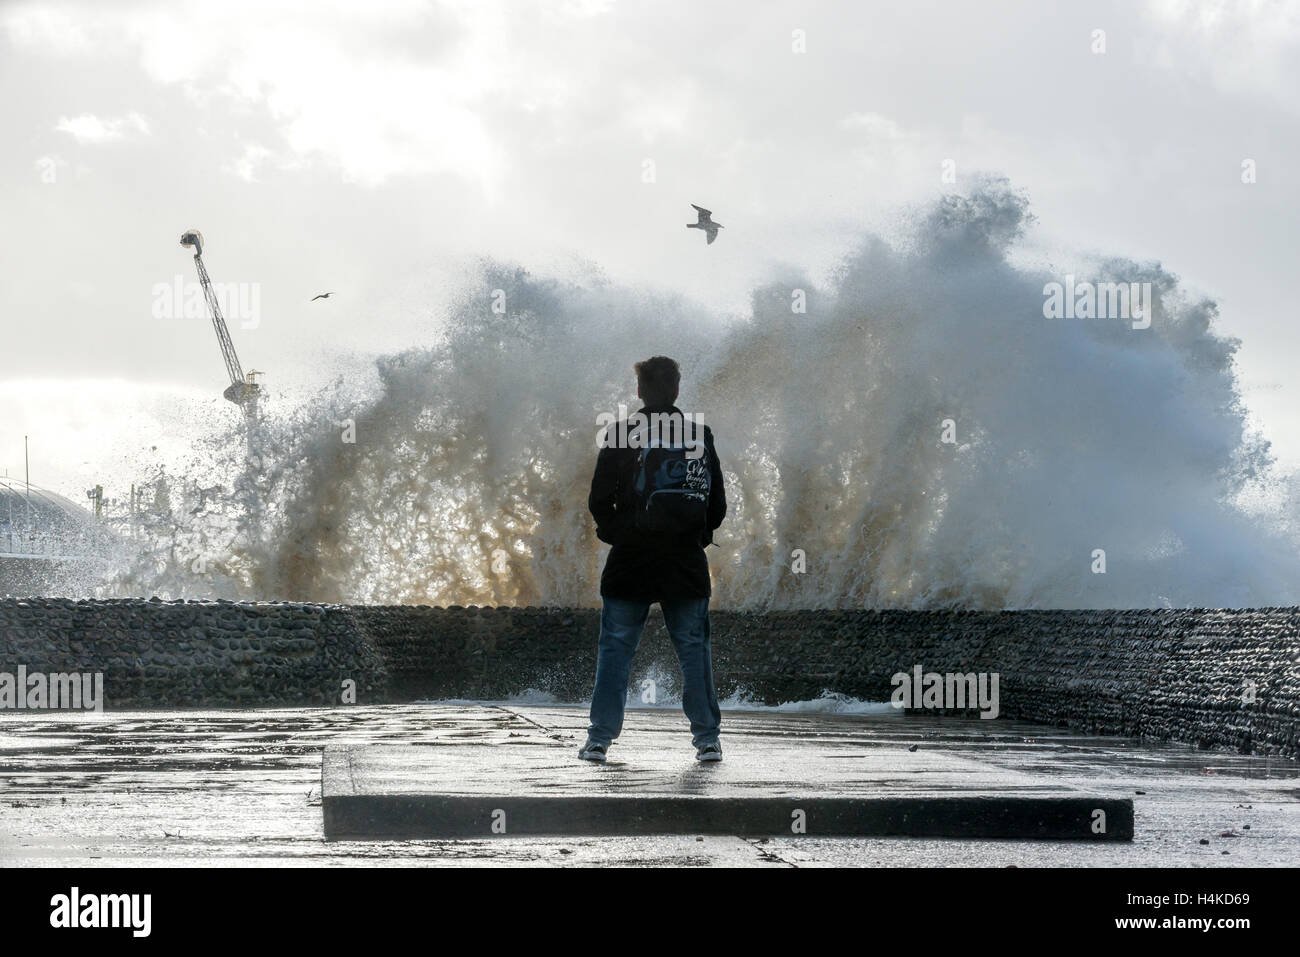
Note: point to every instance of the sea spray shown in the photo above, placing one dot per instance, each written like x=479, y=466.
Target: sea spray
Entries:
x=917, y=430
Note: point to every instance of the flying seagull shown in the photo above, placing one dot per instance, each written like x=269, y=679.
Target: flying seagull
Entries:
x=324, y=295
x=706, y=223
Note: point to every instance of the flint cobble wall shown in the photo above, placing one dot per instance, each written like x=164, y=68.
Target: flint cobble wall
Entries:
x=156, y=654
x=1211, y=677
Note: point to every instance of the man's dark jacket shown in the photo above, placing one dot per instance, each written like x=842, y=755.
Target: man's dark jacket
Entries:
x=643, y=566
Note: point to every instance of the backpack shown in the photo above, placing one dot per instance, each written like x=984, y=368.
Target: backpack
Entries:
x=671, y=489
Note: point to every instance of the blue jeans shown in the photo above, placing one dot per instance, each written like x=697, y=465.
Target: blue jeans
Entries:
x=621, y=623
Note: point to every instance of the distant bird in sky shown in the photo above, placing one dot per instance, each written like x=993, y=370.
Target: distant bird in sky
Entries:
x=324, y=295
x=706, y=223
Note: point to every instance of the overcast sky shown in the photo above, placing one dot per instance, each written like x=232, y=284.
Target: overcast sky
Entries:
x=373, y=149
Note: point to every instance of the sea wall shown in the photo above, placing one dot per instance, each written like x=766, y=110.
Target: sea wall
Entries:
x=156, y=654
x=1210, y=677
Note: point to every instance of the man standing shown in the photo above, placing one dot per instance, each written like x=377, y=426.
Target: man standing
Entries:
x=657, y=497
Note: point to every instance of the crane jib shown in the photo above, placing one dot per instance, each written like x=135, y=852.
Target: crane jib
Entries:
x=242, y=391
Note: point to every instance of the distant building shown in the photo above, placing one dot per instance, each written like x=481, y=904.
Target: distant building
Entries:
x=47, y=542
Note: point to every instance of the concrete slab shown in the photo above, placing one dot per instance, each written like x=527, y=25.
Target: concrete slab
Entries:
x=768, y=788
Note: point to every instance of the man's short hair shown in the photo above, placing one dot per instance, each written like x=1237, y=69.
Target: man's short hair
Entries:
x=658, y=379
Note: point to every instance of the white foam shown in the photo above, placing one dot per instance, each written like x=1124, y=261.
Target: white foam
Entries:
x=827, y=703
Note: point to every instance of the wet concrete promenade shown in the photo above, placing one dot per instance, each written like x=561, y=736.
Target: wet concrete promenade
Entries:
x=244, y=787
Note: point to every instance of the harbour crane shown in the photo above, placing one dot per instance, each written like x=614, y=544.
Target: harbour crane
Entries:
x=243, y=389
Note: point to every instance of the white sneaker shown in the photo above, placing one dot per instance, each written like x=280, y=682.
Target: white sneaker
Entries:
x=593, y=751
x=709, y=752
